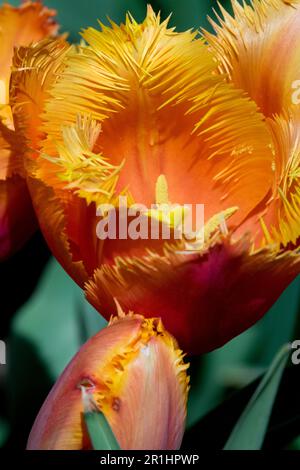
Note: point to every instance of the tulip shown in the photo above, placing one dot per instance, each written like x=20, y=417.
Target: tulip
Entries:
x=135, y=374
x=142, y=111
x=18, y=27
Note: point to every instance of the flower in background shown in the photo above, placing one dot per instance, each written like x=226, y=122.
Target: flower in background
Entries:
x=18, y=27
x=135, y=373
x=143, y=111
x=247, y=44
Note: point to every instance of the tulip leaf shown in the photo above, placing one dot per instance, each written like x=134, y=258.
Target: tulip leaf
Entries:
x=100, y=432
x=249, y=432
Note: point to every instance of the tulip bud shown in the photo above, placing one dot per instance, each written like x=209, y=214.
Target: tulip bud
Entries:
x=136, y=376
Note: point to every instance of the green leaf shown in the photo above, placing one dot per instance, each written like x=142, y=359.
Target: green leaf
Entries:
x=250, y=430
x=100, y=432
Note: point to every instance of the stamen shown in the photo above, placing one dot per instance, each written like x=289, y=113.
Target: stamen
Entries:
x=161, y=191
x=266, y=232
x=217, y=223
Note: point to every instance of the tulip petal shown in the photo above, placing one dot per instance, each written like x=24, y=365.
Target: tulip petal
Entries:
x=277, y=223
x=10, y=150
x=204, y=299
x=20, y=26
x=283, y=214
x=34, y=69
x=53, y=225
x=247, y=43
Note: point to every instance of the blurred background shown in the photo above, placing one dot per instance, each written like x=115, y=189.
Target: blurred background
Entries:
x=44, y=318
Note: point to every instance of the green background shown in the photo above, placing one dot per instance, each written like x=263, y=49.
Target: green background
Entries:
x=74, y=15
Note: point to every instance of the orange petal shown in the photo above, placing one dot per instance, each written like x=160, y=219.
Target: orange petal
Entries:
x=10, y=151
x=34, y=70
x=29, y=89
x=137, y=378
x=278, y=221
x=50, y=211
x=283, y=215
x=204, y=299
x=259, y=48
x=246, y=45
x=20, y=26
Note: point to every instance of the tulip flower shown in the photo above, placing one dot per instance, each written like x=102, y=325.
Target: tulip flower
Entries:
x=18, y=27
x=134, y=372
x=143, y=112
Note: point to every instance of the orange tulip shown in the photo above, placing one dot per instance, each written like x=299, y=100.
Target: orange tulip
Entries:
x=141, y=111
x=135, y=374
x=18, y=27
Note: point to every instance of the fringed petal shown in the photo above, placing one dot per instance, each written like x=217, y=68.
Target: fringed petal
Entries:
x=204, y=299
x=258, y=48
